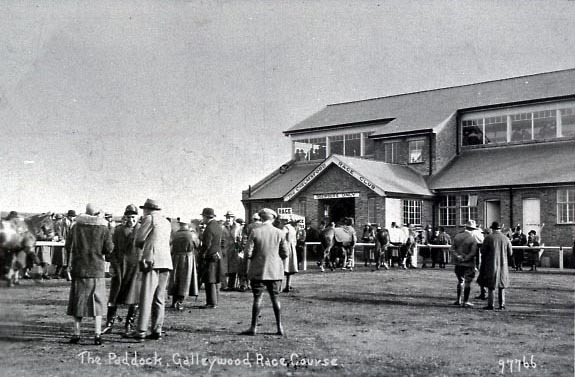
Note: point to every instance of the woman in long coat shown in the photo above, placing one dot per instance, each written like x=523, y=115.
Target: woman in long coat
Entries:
x=495, y=269
x=290, y=263
x=184, y=280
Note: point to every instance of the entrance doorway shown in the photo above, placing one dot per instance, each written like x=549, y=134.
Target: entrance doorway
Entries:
x=531, y=215
x=492, y=212
x=336, y=209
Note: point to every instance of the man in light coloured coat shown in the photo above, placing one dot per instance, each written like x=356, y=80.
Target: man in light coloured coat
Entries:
x=495, y=269
x=153, y=238
x=266, y=250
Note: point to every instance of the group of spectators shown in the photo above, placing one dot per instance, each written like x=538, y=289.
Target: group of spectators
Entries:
x=148, y=261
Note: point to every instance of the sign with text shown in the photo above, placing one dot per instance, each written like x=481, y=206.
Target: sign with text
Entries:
x=284, y=211
x=337, y=195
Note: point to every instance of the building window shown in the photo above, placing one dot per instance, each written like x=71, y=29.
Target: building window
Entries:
x=568, y=122
x=302, y=207
x=496, y=130
x=472, y=131
x=352, y=145
x=468, y=208
x=447, y=210
x=416, y=151
x=368, y=145
x=391, y=152
x=336, y=144
x=310, y=149
x=412, y=212
x=566, y=206
x=544, y=125
x=371, y=209
x=521, y=127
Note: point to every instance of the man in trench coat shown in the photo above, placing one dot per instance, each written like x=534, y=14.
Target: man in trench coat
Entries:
x=495, y=272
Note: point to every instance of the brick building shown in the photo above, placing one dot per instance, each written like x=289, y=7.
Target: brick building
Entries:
x=501, y=150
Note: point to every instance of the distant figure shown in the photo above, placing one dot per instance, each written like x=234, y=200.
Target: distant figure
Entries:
x=497, y=250
x=368, y=236
x=518, y=238
x=184, y=279
x=210, y=256
x=464, y=249
x=533, y=241
x=290, y=263
x=89, y=241
x=230, y=261
x=381, y=248
x=266, y=248
x=243, y=273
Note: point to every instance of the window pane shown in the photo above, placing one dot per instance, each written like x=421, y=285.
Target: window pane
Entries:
x=368, y=145
x=371, y=218
x=496, y=130
x=415, y=151
x=391, y=152
x=336, y=144
x=545, y=124
x=472, y=132
x=353, y=145
x=568, y=122
x=301, y=150
x=318, y=151
x=521, y=127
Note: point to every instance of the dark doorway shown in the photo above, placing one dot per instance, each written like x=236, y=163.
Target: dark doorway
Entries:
x=336, y=209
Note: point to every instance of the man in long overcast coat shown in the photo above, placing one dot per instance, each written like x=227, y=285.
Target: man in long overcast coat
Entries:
x=495, y=269
x=211, y=255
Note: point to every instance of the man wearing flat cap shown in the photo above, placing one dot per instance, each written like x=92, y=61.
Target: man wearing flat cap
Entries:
x=153, y=238
x=464, y=250
x=125, y=286
x=210, y=256
x=266, y=250
x=497, y=250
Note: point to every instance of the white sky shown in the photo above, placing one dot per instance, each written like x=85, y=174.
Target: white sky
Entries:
x=113, y=102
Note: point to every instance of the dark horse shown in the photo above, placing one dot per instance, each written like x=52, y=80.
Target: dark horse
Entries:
x=17, y=240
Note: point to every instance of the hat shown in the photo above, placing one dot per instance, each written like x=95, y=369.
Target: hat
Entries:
x=239, y=220
x=108, y=215
x=12, y=214
x=59, y=216
x=471, y=224
x=495, y=225
x=90, y=209
x=151, y=204
x=208, y=212
x=267, y=211
x=229, y=214
x=71, y=213
x=182, y=221
x=131, y=209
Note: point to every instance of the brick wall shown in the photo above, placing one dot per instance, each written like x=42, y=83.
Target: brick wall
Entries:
x=444, y=148
x=403, y=152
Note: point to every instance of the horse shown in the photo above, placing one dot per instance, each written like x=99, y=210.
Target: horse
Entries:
x=333, y=252
x=17, y=243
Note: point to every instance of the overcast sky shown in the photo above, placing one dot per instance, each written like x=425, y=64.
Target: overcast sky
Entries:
x=113, y=102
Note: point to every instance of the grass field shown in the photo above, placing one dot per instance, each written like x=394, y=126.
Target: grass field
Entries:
x=386, y=323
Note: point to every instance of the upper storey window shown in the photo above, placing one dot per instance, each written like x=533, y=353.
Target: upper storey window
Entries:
x=538, y=123
x=354, y=145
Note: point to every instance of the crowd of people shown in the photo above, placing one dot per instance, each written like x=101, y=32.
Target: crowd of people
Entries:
x=148, y=260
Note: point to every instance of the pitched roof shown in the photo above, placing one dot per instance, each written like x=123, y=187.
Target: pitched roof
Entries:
x=421, y=111
x=277, y=185
x=520, y=165
x=379, y=176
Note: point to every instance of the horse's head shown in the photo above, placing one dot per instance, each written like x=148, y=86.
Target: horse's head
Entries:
x=42, y=226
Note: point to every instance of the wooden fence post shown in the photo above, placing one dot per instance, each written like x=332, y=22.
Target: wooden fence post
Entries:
x=304, y=262
x=560, y=257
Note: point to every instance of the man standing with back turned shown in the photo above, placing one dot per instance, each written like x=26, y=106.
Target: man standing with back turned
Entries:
x=496, y=251
x=464, y=249
x=266, y=249
x=211, y=256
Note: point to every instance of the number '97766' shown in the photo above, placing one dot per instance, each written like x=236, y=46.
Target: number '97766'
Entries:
x=514, y=365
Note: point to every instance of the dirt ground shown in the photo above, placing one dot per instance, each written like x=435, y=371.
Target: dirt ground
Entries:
x=386, y=323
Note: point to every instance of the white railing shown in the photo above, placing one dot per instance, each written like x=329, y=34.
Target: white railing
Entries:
x=541, y=249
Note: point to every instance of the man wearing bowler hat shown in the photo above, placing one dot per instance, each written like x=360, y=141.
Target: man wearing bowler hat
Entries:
x=495, y=269
x=153, y=237
x=211, y=255
x=464, y=249
x=267, y=248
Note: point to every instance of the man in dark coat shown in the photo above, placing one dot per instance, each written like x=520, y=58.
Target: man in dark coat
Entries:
x=464, y=249
x=126, y=280
x=495, y=272
x=211, y=255
x=184, y=279
x=518, y=239
x=267, y=248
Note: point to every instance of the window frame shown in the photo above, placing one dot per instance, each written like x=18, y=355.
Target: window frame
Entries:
x=412, y=211
x=445, y=208
x=421, y=156
x=465, y=205
x=569, y=203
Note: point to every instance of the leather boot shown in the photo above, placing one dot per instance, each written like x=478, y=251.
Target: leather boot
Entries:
x=110, y=319
x=131, y=318
x=466, y=293
x=458, y=301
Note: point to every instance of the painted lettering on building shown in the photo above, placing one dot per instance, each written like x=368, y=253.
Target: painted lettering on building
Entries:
x=337, y=195
x=306, y=180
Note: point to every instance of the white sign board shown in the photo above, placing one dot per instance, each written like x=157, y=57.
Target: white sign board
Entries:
x=337, y=195
x=284, y=211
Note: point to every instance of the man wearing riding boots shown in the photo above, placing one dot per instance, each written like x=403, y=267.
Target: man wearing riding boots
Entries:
x=464, y=249
x=126, y=280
